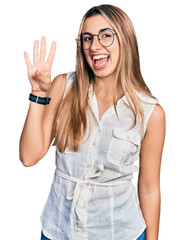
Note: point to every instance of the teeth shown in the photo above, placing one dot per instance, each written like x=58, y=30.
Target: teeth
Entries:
x=99, y=64
x=99, y=57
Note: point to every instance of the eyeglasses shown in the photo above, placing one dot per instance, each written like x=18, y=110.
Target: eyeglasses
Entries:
x=105, y=38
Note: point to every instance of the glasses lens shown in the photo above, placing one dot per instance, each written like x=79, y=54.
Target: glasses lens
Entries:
x=106, y=38
x=86, y=40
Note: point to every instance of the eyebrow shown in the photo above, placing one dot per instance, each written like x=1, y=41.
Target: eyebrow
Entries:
x=101, y=30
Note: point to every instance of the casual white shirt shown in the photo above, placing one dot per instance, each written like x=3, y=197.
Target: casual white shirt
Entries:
x=92, y=196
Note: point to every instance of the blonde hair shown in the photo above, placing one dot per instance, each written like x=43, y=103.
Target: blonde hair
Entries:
x=70, y=123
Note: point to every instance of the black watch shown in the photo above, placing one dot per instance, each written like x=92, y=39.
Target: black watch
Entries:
x=39, y=100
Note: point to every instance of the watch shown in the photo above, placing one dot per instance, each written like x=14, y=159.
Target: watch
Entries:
x=39, y=100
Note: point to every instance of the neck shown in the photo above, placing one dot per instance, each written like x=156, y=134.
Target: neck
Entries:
x=103, y=88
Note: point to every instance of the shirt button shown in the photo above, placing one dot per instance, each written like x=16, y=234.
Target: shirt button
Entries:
x=128, y=137
x=94, y=143
x=89, y=165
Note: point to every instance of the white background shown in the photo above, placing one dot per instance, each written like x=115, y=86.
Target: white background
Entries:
x=160, y=31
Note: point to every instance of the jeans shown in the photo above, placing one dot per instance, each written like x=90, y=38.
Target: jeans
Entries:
x=142, y=237
x=44, y=237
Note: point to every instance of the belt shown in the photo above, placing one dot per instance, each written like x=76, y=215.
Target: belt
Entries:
x=79, y=198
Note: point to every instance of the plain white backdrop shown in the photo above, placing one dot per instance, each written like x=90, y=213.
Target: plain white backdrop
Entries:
x=159, y=28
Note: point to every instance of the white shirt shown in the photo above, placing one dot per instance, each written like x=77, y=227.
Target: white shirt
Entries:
x=92, y=196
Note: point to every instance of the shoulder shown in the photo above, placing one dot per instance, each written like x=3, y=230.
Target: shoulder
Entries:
x=157, y=121
x=154, y=114
x=61, y=82
x=158, y=113
x=64, y=79
x=57, y=86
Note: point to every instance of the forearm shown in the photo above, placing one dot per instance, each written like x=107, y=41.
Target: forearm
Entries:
x=31, y=141
x=150, y=206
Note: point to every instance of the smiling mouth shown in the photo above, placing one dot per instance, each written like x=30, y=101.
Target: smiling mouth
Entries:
x=100, y=61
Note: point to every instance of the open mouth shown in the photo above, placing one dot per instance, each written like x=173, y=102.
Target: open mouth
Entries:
x=100, y=61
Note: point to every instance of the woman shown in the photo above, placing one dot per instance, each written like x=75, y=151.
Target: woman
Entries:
x=102, y=118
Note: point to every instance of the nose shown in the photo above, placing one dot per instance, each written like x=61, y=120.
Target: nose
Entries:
x=95, y=43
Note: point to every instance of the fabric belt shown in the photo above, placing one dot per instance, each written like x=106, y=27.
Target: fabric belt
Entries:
x=80, y=198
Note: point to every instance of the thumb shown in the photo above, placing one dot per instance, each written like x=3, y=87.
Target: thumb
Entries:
x=37, y=74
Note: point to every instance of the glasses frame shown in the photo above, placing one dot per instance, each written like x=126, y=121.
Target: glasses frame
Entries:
x=101, y=30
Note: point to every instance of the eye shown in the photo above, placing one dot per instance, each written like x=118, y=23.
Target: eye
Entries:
x=105, y=35
x=87, y=38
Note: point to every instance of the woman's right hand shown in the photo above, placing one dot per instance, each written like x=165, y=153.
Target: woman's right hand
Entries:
x=39, y=73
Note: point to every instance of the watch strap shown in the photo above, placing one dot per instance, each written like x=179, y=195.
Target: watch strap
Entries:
x=39, y=100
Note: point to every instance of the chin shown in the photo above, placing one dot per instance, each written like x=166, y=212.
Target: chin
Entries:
x=103, y=74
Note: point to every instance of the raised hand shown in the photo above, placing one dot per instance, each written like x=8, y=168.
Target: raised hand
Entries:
x=39, y=73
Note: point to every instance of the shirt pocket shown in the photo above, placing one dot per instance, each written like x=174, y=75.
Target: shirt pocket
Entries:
x=124, y=145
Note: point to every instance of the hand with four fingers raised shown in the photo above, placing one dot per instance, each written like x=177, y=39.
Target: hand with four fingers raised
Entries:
x=39, y=73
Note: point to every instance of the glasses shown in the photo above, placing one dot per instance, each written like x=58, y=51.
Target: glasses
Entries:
x=105, y=38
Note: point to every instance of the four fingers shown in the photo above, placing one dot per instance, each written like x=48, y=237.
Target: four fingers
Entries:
x=42, y=52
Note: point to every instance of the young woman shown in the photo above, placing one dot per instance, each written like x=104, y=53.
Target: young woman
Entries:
x=102, y=118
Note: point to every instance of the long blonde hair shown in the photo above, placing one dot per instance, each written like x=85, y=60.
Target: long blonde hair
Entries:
x=70, y=123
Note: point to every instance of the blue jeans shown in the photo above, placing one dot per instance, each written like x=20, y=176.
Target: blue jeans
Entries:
x=44, y=237
x=142, y=237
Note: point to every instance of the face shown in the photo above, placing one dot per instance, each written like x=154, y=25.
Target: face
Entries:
x=102, y=60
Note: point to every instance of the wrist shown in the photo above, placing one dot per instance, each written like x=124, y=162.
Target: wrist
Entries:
x=40, y=93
